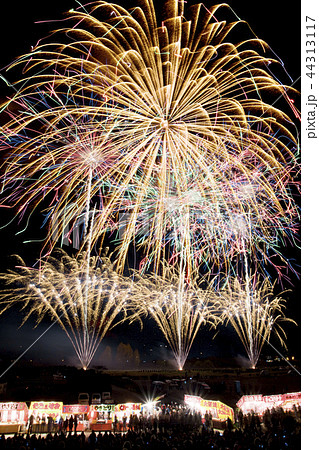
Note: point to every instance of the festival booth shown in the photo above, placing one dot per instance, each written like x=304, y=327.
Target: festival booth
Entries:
x=192, y=401
x=45, y=416
x=219, y=412
x=100, y=417
x=123, y=411
x=13, y=417
x=291, y=401
x=259, y=403
x=251, y=404
x=104, y=417
x=81, y=412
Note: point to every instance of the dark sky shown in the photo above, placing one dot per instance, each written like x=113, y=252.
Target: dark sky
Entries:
x=270, y=20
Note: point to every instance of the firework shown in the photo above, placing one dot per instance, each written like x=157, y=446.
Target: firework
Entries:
x=210, y=226
x=178, y=308
x=85, y=297
x=255, y=312
x=63, y=168
x=165, y=120
x=166, y=101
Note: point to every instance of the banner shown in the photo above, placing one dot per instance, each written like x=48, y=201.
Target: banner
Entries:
x=192, y=400
x=75, y=409
x=249, y=398
x=259, y=403
x=128, y=406
x=16, y=406
x=217, y=409
x=53, y=409
x=103, y=408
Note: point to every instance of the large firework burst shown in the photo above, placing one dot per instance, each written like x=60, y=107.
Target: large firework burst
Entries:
x=169, y=96
x=163, y=119
x=211, y=227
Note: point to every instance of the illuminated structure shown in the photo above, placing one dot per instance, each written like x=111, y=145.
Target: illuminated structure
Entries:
x=260, y=403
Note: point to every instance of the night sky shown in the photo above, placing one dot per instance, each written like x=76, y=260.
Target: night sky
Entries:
x=272, y=22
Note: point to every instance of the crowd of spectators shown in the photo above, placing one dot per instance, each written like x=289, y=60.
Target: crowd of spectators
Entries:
x=170, y=416
x=275, y=430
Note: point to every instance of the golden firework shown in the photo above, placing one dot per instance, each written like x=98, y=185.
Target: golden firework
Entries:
x=166, y=96
x=85, y=297
x=178, y=308
x=255, y=312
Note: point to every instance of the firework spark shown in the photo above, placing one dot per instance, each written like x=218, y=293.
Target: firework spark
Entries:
x=178, y=308
x=211, y=226
x=85, y=301
x=255, y=312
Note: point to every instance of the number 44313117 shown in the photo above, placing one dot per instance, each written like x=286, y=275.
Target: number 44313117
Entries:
x=310, y=46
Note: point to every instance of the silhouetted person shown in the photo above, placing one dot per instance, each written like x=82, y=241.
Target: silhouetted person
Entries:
x=71, y=422
x=31, y=420
x=75, y=424
x=65, y=425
